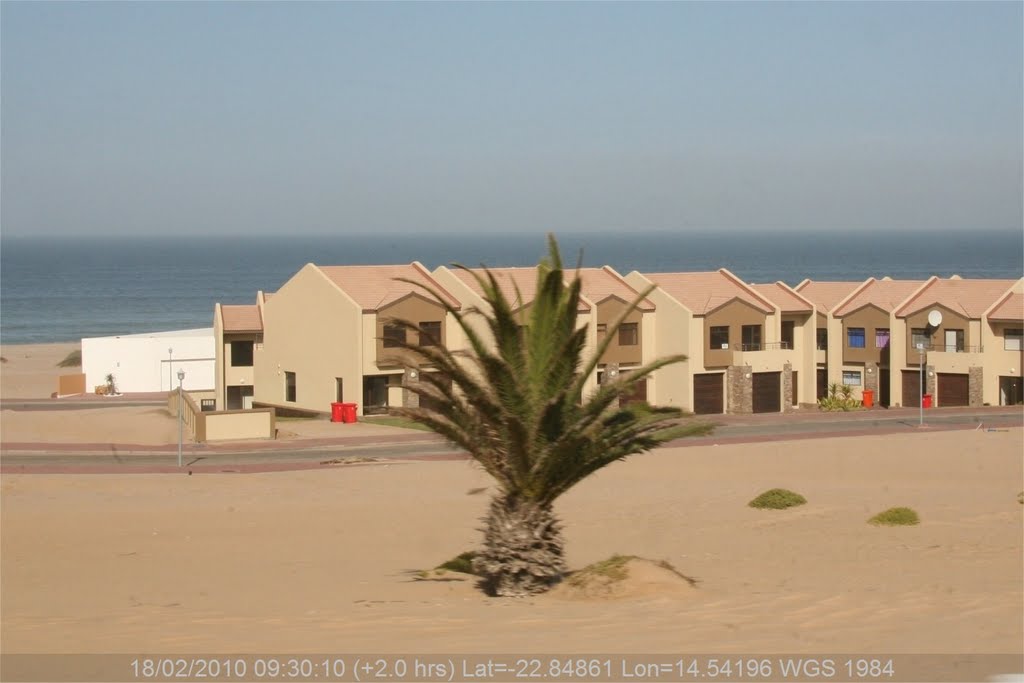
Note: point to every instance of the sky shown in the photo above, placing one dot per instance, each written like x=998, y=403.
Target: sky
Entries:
x=234, y=118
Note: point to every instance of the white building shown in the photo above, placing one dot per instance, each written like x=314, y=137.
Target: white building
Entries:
x=150, y=361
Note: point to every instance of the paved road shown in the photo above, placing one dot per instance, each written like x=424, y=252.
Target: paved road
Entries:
x=311, y=455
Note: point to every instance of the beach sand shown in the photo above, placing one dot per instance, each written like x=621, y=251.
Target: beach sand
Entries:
x=30, y=370
x=326, y=561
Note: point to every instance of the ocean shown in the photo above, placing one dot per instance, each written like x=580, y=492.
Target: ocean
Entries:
x=63, y=289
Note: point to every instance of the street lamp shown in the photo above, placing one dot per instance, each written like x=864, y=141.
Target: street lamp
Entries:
x=170, y=359
x=181, y=378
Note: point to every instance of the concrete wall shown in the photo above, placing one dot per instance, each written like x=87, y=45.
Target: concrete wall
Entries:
x=141, y=363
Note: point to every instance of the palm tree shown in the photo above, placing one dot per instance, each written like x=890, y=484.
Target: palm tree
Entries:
x=514, y=402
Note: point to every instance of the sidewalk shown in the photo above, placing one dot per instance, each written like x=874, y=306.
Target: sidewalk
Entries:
x=797, y=424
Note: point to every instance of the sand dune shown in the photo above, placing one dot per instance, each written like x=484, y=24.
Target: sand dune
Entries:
x=326, y=561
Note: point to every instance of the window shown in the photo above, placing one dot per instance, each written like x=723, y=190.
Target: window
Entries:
x=851, y=378
x=822, y=338
x=919, y=337
x=1013, y=339
x=751, y=337
x=430, y=333
x=720, y=337
x=954, y=340
x=882, y=338
x=787, y=334
x=289, y=387
x=855, y=337
x=602, y=330
x=394, y=335
x=241, y=354
x=629, y=335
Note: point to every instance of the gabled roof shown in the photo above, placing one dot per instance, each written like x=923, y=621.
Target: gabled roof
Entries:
x=241, y=318
x=375, y=287
x=702, y=293
x=1011, y=308
x=784, y=298
x=826, y=295
x=598, y=284
x=509, y=280
x=971, y=298
x=885, y=294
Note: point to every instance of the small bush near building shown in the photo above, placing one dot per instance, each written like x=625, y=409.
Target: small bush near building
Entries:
x=895, y=517
x=840, y=397
x=777, y=499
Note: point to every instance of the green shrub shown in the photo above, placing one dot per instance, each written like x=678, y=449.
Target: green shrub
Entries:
x=777, y=499
x=462, y=563
x=614, y=568
x=840, y=397
x=895, y=517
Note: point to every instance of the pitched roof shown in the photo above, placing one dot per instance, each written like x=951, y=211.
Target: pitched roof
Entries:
x=886, y=294
x=598, y=284
x=374, y=287
x=242, y=318
x=825, y=295
x=509, y=280
x=1011, y=308
x=968, y=297
x=702, y=293
x=782, y=296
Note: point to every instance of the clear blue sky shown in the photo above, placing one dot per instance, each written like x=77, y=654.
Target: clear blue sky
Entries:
x=343, y=118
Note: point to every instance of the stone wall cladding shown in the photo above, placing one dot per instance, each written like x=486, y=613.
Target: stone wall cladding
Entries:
x=931, y=383
x=871, y=378
x=975, y=386
x=410, y=399
x=739, y=389
x=787, y=388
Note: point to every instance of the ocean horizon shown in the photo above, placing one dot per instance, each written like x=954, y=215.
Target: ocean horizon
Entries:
x=60, y=289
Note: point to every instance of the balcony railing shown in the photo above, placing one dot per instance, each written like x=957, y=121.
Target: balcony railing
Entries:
x=769, y=346
x=953, y=348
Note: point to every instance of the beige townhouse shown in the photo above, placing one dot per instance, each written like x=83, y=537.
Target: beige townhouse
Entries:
x=826, y=296
x=327, y=336
x=798, y=332
x=238, y=338
x=966, y=333
x=738, y=361
x=866, y=338
x=604, y=296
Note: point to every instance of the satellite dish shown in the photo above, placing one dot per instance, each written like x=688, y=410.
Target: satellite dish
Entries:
x=935, y=318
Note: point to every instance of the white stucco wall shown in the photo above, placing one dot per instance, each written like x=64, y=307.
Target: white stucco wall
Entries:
x=140, y=362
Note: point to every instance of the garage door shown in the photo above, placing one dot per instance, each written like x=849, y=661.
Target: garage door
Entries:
x=911, y=388
x=708, y=391
x=954, y=390
x=767, y=394
x=638, y=395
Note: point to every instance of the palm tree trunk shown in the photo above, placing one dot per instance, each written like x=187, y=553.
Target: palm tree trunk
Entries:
x=522, y=552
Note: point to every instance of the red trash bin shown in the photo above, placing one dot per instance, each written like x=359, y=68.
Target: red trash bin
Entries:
x=868, y=398
x=336, y=412
x=926, y=401
x=348, y=412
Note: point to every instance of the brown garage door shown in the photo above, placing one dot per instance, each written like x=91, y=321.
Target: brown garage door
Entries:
x=638, y=395
x=767, y=392
x=954, y=390
x=911, y=388
x=708, y=393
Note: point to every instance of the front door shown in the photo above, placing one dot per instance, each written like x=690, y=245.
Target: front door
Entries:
x=954, y=340
x=1011, y=391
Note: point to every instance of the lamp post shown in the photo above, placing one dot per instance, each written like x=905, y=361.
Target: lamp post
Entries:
x=170, y=371
x=181, y=378
x=920, y=393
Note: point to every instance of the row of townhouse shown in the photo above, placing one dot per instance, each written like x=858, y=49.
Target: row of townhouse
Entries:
x=325, y=336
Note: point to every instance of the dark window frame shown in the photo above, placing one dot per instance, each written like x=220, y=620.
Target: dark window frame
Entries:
x=291, y=391
x=431, y=336
x=393, y=336
x=716, y=331
x=856, y=334
x=629, y=334
x=750, y=337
